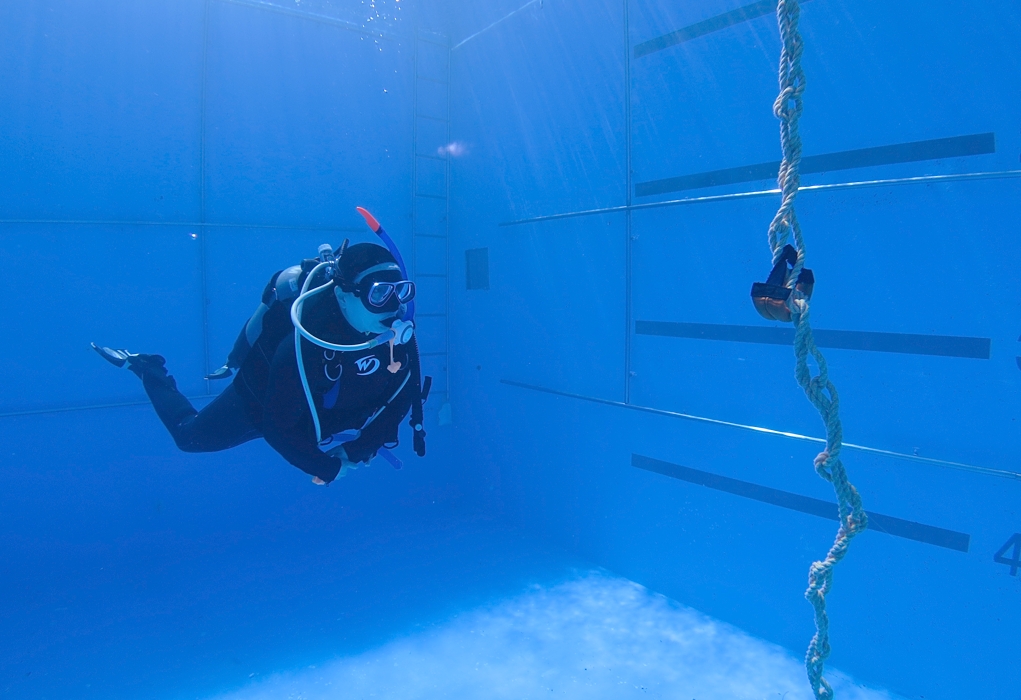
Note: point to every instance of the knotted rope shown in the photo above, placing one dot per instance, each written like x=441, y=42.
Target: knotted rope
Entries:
x=819, y=389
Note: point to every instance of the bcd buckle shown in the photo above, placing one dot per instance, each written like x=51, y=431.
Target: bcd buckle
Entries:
x=770, y=297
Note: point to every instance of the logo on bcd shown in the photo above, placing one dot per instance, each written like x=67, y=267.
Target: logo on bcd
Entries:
x=367, y=365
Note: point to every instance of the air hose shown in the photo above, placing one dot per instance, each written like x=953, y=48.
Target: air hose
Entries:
x=307, y=294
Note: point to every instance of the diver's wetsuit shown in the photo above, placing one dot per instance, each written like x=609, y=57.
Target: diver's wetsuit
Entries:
x=352, y=391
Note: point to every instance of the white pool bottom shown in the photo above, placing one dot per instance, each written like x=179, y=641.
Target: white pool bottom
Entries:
x=594, y=637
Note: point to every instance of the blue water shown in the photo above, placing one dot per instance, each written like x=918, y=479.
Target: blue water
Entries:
x=618, y=498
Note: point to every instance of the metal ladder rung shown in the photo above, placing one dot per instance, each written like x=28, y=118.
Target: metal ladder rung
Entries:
x=439, y=41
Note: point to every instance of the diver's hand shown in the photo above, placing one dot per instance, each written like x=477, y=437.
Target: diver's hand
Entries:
x=345, y=463
x=337, y=453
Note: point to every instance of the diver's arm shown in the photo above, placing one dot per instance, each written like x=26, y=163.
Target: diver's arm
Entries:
x=383, y=430
x=287, y=421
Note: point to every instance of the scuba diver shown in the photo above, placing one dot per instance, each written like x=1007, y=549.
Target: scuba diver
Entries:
x=325, y=378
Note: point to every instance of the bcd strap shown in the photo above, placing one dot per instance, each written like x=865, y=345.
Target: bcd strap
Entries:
x=419, y=437
x=770, y=297
x=422, y=391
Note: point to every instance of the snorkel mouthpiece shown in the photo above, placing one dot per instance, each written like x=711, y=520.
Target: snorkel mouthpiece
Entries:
x=403, y=331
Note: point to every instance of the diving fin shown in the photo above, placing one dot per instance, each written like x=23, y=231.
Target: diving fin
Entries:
x=223, y=373
x=117, y=358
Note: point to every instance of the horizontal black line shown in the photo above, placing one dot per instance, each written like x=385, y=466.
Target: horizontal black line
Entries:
x=767, y=431
x=708, y=26
x=908, y=529
x=914, y=151
x=907, y=343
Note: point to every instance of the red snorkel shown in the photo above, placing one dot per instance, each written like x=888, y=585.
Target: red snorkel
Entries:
x=377, y=229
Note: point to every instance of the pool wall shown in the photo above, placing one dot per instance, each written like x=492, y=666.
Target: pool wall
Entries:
x=617, y=370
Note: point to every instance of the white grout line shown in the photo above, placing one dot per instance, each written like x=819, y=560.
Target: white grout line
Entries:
x=486, y=29
x=920, y=180
x=769, y=431
x=92, y=407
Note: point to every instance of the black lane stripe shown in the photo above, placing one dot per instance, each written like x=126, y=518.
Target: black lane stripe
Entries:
x=708, y=26
x=905, y=343
x=908, y=529
x=911, y=152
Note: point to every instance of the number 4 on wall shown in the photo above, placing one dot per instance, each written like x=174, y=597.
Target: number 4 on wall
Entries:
x=1014, y=562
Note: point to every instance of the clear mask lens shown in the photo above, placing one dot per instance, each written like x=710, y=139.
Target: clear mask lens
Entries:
x=379, y=293
x=405, y=291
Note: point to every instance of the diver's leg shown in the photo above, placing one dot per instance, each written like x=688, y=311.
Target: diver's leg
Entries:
x=223, y=424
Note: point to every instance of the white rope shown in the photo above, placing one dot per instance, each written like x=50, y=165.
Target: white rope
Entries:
x=819, y=389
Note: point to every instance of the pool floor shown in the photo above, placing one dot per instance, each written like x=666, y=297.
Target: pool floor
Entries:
x=592, y=635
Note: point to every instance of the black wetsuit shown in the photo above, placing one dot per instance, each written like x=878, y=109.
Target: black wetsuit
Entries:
x=352, y=391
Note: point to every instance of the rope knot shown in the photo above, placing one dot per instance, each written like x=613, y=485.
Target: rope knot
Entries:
x=857, y=522
x=823, y=466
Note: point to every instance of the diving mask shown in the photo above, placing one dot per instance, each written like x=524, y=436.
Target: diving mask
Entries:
x=381, y=288
x=378, y=295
